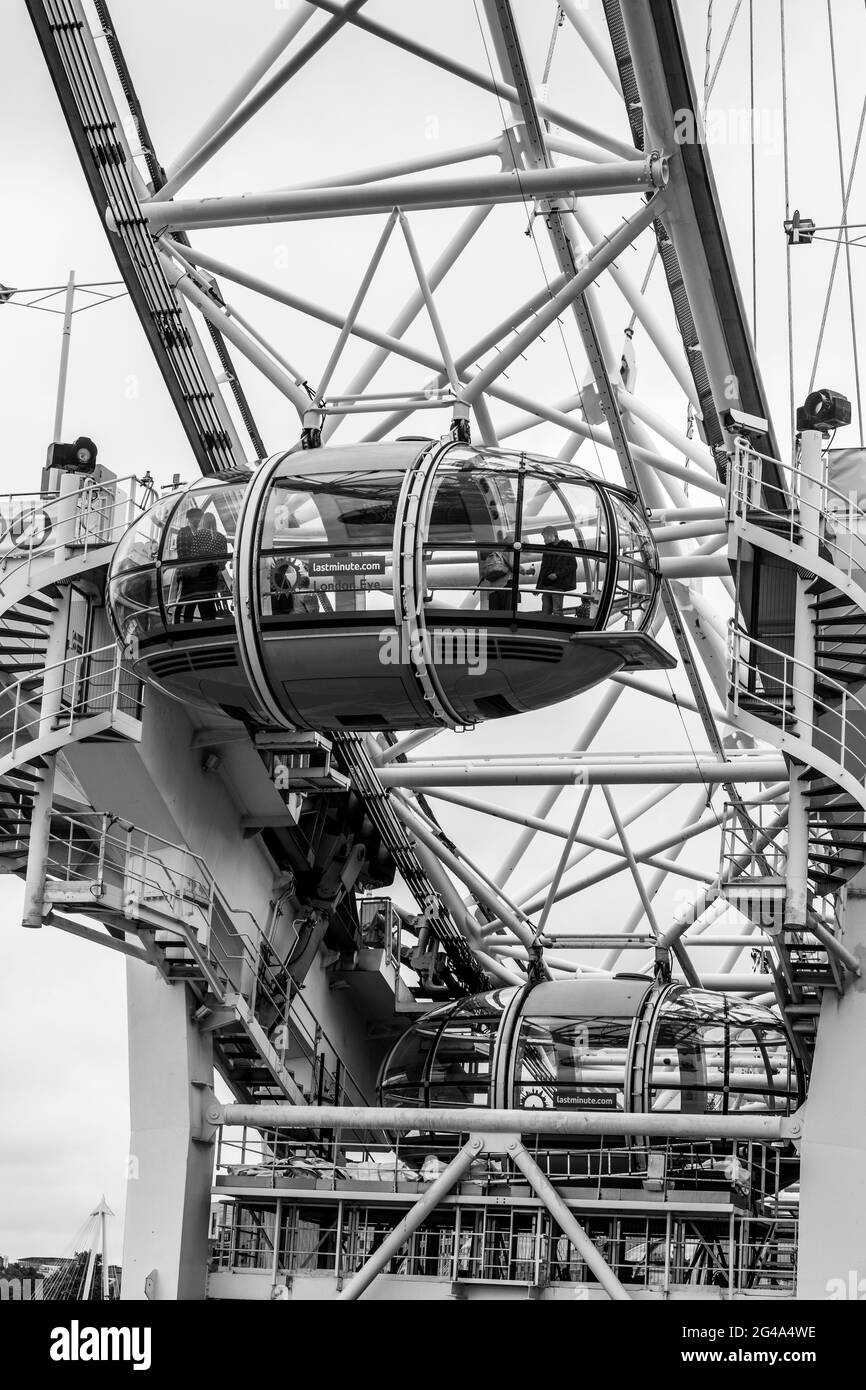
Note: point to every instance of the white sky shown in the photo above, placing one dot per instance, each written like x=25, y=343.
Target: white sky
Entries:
x=63, y=1093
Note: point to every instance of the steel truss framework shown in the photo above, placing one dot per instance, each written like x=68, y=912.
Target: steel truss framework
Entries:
x=587, y=197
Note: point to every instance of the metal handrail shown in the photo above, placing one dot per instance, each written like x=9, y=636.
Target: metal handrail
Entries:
x=74, y=506
x=745, y=833
x=159, y=870
x=835, y=522
x=339, y=1160
x=777, y=693
x=93, y=682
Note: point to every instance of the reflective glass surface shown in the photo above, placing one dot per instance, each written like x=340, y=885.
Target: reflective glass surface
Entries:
x=578, y=1062
x=175, y=565
x=517, y=536
x=197, y=557
x=445, y=1058
x=327, y=544
x=714, y=1055
x=636, y=571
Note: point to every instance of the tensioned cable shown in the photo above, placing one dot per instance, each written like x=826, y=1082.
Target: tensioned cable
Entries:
x=845, y=199
x=548, y=62
x=844, y=219
x=785, y=157
x=724, y=47
x=752, y=163
x=708, y=47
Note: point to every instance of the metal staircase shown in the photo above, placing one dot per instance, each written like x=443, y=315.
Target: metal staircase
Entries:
x=821, y=535
x=267, y=1043
x=53, y=538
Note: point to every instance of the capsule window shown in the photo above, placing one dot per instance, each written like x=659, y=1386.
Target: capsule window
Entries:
x=327, y=545
x=578, y=1062
x=714, y=1056
x=636, y=570
x=460, y=1072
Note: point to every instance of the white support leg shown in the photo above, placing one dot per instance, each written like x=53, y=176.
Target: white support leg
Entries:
x=170, y=1168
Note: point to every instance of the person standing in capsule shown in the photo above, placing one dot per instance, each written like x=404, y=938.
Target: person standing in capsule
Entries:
x=557, y=573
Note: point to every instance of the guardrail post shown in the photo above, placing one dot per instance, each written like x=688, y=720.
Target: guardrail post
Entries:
x=40, y=821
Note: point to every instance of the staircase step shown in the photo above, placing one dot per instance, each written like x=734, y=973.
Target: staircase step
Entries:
x=838, y=600
x=38, y=602
x=840, y=672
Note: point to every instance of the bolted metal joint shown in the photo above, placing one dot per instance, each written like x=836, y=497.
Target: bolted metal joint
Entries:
x=658, y=169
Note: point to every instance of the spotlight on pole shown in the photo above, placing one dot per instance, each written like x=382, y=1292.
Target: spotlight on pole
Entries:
x=78, y=457
x=824, y=410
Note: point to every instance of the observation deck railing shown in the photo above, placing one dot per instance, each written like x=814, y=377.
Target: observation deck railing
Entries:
x=767, y=682
x=85, y=685
x=337, y=1162
x=834, y=522
x=169, y=890
x=38, y=526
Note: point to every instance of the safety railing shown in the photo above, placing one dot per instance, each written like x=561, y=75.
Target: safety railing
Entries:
x=380, y=927
x=767, y=683
x=751, y=847
x=172, y=889
x=338, y=1161
x=40, y=525
x=740, y=1254
x=82, y=686
x=833, y=522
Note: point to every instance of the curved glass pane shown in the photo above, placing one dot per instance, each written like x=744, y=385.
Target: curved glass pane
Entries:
x=405, y=1073
x=637, y=568
x=460, y=1071
x=196, y=577
x=470, y=578
x=141, y=544
x=714, y=1056
x=565, y=545
x=474, y=506
x=336, y=508
x=134, y=605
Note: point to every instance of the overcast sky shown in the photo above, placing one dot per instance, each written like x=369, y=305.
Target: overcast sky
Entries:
x=63, y=1087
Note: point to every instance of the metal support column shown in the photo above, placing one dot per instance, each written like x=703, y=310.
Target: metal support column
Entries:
x=459, y=1165
x=548, y=1194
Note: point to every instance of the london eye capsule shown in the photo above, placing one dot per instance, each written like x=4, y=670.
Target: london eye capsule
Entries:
x=623, y=1044
x=394, y=585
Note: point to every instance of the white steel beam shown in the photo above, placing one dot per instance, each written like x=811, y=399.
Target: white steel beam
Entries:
x=241, y=89
x=767, y=1129
x=600, y=256
x=575, y=771
x=485, y=149
x=235, y=334
x=239, y=116
x=349, y=324
x=458, y=190
x=575, y=13
x=498, y=88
